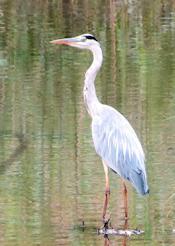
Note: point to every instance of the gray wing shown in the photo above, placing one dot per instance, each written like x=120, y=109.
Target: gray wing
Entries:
x=117, y=144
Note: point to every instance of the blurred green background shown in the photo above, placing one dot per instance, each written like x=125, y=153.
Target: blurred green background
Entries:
x=50, y=176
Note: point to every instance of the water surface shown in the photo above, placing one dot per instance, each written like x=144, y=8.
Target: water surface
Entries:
x=51, y=180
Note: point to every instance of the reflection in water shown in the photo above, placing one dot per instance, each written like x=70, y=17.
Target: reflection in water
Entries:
x=13, y=156
x=122, y=234
x=108, y=243
x=50, y=178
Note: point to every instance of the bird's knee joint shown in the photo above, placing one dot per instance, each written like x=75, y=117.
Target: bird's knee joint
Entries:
x=107, y=192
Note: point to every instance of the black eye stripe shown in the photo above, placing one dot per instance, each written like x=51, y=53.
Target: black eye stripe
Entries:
x=91, y=37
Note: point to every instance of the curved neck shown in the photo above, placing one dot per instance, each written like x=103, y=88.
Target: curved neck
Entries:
x=90, y=97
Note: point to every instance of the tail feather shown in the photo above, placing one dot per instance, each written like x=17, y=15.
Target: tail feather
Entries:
x=139, y=181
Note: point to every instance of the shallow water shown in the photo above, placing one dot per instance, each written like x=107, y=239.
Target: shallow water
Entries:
x=51, y=180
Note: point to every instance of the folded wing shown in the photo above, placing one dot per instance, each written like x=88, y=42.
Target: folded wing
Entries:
x=118, y=145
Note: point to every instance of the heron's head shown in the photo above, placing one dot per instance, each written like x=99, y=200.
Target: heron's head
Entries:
x=84, y=41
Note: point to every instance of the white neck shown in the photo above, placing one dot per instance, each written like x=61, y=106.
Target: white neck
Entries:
x=90, y=97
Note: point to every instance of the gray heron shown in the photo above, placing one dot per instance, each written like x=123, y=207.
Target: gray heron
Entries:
x=114, y=138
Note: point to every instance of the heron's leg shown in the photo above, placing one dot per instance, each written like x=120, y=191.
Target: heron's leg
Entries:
x=107, y=191
x=125, y=195
x=106, y=240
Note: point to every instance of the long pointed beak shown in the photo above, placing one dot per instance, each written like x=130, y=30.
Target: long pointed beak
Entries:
x=66, y=41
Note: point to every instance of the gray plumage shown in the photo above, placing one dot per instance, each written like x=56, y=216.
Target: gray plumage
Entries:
x=117, y=144
x=114, y=139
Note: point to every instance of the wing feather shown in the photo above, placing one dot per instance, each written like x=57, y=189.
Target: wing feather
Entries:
x=117, y=144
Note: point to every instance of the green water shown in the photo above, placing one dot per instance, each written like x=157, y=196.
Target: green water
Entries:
x=51, y=179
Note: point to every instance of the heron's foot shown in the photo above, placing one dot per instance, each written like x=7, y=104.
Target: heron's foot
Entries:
x=105, y=228
x=107, y=224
